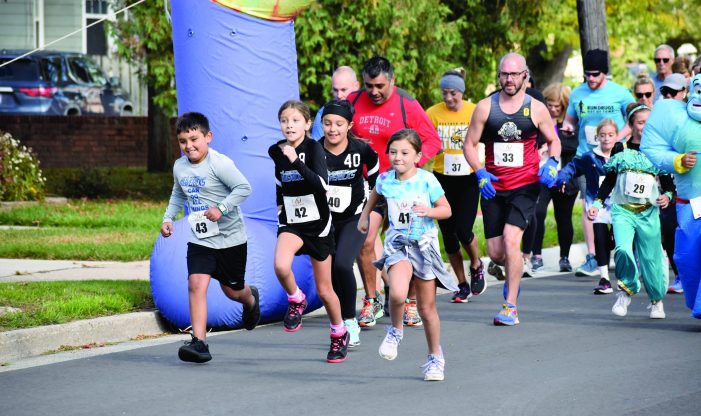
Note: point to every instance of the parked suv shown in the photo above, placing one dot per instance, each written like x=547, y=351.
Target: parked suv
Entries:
x=58, y=83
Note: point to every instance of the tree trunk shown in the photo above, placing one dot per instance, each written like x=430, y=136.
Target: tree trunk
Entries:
x=160, y=152
x=592, y=25
x=546, y=72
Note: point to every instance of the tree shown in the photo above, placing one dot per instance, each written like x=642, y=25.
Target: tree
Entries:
x=144, y=37
x=414, y=36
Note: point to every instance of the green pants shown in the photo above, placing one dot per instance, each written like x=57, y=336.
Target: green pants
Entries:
x=642, y=232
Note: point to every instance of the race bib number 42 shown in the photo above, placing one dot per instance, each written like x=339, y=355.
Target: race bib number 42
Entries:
x=508, y=154
x=201, y=226
x=300, y=209
x=639, y=185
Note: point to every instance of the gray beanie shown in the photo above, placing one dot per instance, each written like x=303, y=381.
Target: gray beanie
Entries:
x=453, y=82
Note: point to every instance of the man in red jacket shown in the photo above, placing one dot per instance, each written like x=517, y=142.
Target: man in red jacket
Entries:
x=381, y=109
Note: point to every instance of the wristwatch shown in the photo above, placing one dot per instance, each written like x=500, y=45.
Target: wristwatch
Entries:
x=223, y=209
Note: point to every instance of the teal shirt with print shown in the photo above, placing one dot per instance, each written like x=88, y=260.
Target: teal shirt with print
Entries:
x=590, y=107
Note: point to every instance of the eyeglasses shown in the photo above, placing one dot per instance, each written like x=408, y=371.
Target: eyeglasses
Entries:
x=643, y=94
x=511, y=74
x=592, y=74
x=658, y=60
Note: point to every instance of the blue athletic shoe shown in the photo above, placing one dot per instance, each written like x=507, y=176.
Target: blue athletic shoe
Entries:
x=508, y=316
x=589, y=267
x=676, y=287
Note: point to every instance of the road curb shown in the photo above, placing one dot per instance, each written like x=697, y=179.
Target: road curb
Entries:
x=29, y=342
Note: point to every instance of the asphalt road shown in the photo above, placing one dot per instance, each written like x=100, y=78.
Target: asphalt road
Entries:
x=569, y=356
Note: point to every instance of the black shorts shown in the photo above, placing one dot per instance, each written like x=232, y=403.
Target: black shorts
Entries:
x=319, y=248
x=515, y=207
x=227, y=265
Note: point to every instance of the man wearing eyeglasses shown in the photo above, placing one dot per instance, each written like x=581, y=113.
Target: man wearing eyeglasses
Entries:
x=508, y=123
x=664, y=58
x=593, y=101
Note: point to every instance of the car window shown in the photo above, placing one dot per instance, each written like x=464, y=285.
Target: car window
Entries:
x=51, y=69
x=21, y=70
x=78, y=71
x=84, y=71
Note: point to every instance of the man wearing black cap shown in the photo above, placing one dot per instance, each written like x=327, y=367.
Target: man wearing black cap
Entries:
x=593, y=101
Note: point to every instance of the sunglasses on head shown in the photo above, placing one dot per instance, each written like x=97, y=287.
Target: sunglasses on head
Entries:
x=658, y=60
x=593, y=74
x=643, y=94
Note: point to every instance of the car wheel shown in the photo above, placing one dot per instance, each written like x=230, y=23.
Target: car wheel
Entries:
x=73, y=112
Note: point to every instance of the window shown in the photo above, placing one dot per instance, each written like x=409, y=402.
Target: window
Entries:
x=96, y=6
x=96, y=40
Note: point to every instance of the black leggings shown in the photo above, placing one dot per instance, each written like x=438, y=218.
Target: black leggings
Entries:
x=668, y=221
x=562, y=207
x=348, y=243
x=603, y=243
x=463, y=196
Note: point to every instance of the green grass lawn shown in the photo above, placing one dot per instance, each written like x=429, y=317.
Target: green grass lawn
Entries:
x=46, y=303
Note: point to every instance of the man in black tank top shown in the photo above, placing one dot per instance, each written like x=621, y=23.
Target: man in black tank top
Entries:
x=508, y=123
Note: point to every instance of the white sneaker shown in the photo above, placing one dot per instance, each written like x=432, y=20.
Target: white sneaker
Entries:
x=620, y=308
x=353, y=331
x=527, y=269
x=388, y=348
x=657, y=310
x=433, y=369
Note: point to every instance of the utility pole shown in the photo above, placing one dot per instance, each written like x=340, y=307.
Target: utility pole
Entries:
x=593, y=34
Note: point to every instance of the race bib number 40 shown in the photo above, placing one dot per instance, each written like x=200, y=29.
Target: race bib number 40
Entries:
x=508, y=154
x=639, y=185
x=201, y=226
x=455, y=165
x=339, y=198
x=301, y=209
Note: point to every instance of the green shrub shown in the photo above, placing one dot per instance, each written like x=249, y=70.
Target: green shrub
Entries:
x=87, y=183
x=21, y=178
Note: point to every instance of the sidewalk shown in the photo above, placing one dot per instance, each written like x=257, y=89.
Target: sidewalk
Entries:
x=31, y=342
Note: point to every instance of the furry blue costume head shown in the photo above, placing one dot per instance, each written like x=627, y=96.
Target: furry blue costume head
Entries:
x=693, y=107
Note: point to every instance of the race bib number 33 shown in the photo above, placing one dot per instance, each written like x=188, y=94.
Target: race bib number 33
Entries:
x=508, y=154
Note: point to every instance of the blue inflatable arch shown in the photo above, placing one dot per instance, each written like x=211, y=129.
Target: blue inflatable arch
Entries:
x=237, y=70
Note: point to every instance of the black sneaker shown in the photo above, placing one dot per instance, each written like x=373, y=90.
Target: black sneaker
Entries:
x=565, y=265
x=463, y=294
x=194, y=351
x=339, y=349
x=293, y=317
x=477, y=282
x=251, y=317
x=495, y=271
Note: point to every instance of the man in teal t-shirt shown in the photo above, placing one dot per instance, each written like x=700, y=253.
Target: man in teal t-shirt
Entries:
x=594, y=100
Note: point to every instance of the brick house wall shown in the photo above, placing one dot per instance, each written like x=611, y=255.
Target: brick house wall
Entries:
x=84, y=141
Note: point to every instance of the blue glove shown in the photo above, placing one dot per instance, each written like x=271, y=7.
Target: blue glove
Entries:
x=484, y=182
x=548, y=173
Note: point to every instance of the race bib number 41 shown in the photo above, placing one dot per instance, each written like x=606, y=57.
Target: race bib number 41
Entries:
x=508, y=154
x=639, y=185
x=201, y=226
x=300, y=209
x=399, y=213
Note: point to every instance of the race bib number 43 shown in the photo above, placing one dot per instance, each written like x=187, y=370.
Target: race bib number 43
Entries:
x=201, y=226
x=639, y=185
x=300, y=209
x=508, y=154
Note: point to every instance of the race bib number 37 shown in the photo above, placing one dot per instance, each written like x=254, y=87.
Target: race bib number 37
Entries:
x=201, y=226
x=455, y=165
x=508, y=154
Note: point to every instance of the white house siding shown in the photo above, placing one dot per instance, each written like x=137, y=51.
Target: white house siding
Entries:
x=62, y=17
x=16, y=24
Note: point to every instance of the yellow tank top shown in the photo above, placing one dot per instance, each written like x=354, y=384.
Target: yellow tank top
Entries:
x=452, y=127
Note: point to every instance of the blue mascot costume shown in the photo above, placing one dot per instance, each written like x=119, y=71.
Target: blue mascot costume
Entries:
x=235, y=62
x=673, y=131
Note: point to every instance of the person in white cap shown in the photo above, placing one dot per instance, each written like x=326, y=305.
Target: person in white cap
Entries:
x=674, y=86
